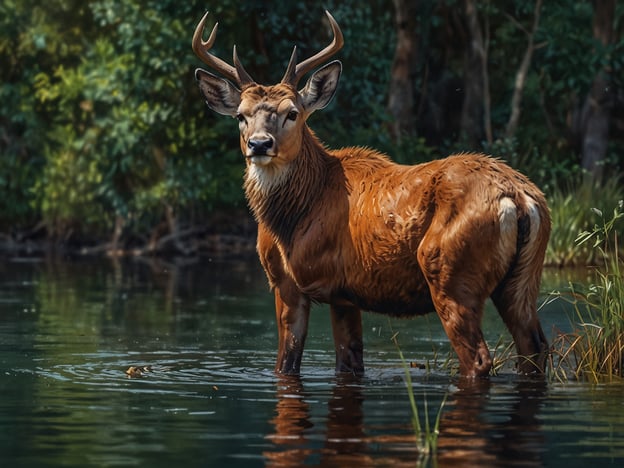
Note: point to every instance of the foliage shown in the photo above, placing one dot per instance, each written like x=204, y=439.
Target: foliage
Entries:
x=595, y=350
x=572, y=211
x=546, y=172
x=101, y=119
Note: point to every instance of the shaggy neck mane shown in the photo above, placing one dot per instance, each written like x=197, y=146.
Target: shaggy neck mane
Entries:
x=280, y=200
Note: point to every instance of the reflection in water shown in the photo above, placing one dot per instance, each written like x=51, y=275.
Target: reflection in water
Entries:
x=469, y=435
x=69, y=331
x=345, y=444
x=345, y=441
x=473, y=434
x=291, y=421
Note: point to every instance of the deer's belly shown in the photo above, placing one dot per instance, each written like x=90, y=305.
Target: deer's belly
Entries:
x=383, y=290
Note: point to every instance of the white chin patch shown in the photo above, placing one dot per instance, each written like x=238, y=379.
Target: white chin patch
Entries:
x=261, y=160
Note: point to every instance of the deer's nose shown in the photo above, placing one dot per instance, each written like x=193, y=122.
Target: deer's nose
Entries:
x=260, y=146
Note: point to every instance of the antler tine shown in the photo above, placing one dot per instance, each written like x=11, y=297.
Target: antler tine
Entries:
x=201, y=48
x=243, y=77
x=290, y=75
x=304, y=67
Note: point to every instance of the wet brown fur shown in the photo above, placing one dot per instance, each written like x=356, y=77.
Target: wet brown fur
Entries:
x=354, y=230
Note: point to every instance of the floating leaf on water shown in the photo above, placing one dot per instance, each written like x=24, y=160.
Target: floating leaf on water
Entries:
x=137, y=371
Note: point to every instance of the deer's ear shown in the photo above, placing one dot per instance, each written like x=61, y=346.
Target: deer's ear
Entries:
x=221, y=96
x=320, y=88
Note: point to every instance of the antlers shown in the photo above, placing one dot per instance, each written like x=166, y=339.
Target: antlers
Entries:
x=295, y=71
x=237, y=73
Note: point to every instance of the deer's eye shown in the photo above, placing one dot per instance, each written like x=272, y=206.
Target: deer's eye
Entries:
x=241, y=118
x=292, y=115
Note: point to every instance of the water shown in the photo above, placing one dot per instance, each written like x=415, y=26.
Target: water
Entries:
x=204, y=333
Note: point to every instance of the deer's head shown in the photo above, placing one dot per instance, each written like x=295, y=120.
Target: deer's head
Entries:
x=271, y=118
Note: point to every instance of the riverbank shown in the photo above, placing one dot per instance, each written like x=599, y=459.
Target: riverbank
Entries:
x=223, y=235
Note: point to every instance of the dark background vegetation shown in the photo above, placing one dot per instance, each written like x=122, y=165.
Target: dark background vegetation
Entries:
x=105, y=140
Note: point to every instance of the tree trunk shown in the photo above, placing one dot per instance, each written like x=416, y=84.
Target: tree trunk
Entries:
x=472, y=116
x=400, y=93
x=596, y=113
x=521, y=74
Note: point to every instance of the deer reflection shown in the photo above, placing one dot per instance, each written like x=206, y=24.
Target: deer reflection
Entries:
x=344, y=442
x=345, y=429
x=345, y=436
x=479, y=427
x=483, y=426
x=292, y=418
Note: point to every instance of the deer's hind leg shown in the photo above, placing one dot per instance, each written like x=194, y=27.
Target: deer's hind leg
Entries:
x=516, y=296
x=460, y=279
x=460, y=311
x=462, y=325
x=516, y=302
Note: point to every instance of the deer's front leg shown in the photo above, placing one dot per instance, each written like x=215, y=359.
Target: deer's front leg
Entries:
x=347, y=329
x=292, y=310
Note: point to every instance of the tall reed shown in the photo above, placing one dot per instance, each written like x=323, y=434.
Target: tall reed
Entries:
x=594, y=350
x=427, y=438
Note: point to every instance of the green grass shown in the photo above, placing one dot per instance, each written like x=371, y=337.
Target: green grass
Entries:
x=427, y=436
x=572, y=211
x=594, y=350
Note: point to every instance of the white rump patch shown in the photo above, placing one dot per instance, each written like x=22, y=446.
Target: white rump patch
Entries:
x=534, y=216
x=508, y=225
x=525, y=281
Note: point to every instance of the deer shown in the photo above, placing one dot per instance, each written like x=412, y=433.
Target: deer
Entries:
x=354, y=230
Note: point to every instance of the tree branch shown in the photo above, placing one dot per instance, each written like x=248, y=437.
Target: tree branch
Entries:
x=521, y=74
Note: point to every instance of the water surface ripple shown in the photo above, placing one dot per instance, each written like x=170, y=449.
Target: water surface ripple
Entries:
x=202, y=337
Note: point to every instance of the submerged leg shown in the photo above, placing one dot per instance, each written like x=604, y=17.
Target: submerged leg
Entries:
x=347, y=330
x=516, y=296
x=458, y=298
x=519, y=312
x=463, y=327
x=292, y=311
